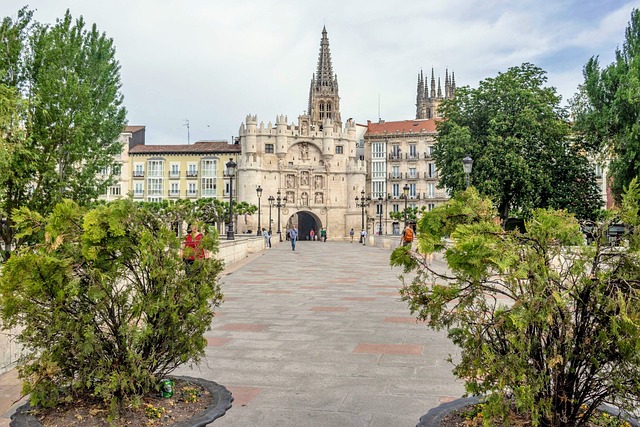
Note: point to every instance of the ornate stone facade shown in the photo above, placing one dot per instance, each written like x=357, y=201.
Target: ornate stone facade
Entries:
x=428, y=101
x=313, y=163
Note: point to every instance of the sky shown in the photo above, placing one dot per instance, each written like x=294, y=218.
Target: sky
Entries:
x=212, y=62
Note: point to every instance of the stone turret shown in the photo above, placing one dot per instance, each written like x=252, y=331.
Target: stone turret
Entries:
x=429, y=99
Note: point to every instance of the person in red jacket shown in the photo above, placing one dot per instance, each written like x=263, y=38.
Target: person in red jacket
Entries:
x=192, y=247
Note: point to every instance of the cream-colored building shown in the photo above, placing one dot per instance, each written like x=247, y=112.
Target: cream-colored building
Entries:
x=168, y=172
x=313, y=163
x=129, y=138
x=400, y=154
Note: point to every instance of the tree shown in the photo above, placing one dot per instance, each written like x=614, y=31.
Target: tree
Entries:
x=518, y=136
x=545, y=322
x=607, y=109
x=67, y=131
x=105, y=307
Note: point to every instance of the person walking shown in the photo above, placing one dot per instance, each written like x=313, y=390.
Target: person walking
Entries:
x=351, y=233
x=363, y=236
x=312, y=235
x=407, y=236
x=267, y=238
x=323, y=234
x=293, y=236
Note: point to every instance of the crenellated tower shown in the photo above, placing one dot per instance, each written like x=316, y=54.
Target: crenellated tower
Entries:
x=324, y=102
x=430, y=97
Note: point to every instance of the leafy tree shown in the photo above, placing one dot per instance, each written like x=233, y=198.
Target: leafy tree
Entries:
x=607, y=109
x=412, y=214
x=545, y=322
x=67, y=131
x=105, y=306
x=518, y=136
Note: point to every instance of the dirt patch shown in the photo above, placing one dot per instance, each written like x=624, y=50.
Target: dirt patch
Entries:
x=189, y=399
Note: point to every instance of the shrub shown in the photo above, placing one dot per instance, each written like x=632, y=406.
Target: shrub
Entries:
x=544, y=321
x=106, y=307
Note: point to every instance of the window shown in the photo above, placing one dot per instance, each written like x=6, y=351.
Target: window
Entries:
x=431, y=206
x=379, y=209
x=115, y=190
x=154, y=187
x=395, y=171
x=395, y=152
x=138, y=189
x=175, y=170
x=268, y=148
x=412, y=190
x=209, y=167
x=192, y=170
x=396, y=207
x=395, y=190
x=117, y=169
x=412, y=173
x=377, y=170
x=413, y=151
x=208, y=187
x=192, y=189
x=378, y=189
x=104, y=171
x=598, y=171
x=377, y=150
x=138, y=170
x=431, y=170
x=431, y=190
x=339, y=149
x=155, y=168
x=175, y=189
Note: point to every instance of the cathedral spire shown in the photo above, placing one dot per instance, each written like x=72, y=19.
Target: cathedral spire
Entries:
x=433, y=85
x=324, y=102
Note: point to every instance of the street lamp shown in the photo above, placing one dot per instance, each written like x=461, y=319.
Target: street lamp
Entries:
x=364, y=202
x=467, y=165
x=231, y=170
x=271, y=199
x=405, y=192
x=380, y=214
x=259, y=193
x=280, y=203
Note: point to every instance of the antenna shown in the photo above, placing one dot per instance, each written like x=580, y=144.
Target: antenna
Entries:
x=379, y=118
x=186, y=123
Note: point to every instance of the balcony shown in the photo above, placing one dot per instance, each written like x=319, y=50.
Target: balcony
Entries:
x=192, y=174
x=411, y=176
x=138, y=174
x=174, y=193
x=174, y=174
x=138, y=194
x=432, y=175
x=395, y=176
x=192, y=193
x=395, y=157
x=413, y=157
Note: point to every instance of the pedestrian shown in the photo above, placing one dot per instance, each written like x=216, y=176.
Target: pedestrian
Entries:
x=293, y=236
x=323, y=234
x=363, y=236
x=192, y=248
x=312, y=234
x=267, y=238
x=407, y=236
x=351, y=233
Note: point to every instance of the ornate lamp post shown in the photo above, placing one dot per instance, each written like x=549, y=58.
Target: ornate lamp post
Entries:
x=467, y=165
x=280, y=203
x=405, y=193
x=380, y=215
x=259, y=193
x=231, y=171
x=271, y=199
x=363, y=202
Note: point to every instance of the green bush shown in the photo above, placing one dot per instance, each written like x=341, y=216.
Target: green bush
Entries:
x=106, y=307
x=544, y=321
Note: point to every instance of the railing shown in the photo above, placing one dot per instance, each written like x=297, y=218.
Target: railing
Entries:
x=192, y=174
x=138, y=174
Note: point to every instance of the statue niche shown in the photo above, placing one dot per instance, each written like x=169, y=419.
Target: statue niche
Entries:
x=304, y=178
x=318, y=181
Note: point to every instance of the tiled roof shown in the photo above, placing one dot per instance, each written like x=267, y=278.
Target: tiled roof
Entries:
x=200, y=147
x=405, y=126
x=133, y=129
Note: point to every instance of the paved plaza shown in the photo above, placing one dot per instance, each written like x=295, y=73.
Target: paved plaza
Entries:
x=319, y=337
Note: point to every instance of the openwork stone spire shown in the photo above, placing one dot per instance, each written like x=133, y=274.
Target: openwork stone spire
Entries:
x=324, y=102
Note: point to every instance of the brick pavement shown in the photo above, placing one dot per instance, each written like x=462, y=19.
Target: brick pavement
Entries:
x=318, y=337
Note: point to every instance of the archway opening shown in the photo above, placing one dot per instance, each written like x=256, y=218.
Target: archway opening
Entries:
x=306, y=221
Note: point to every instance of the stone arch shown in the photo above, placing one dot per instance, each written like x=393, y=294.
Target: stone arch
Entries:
x=305, y=221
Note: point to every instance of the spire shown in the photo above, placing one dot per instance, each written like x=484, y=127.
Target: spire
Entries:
x=433, y=85
x=439, y=89
x=324, y=102
x=453, y=85
x=447, y=83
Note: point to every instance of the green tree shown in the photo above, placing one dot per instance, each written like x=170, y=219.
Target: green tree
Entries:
x=105, y=306
x=67, y=132
x=607, y=109
x=545, y=322
x=518, y=136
